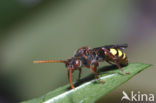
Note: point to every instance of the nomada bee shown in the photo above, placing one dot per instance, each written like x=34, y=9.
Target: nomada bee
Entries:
x=90, y=58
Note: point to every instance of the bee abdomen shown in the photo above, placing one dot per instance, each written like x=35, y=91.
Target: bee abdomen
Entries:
x=122, y=58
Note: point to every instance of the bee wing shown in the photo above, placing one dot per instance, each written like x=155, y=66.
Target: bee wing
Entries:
x=120, y=46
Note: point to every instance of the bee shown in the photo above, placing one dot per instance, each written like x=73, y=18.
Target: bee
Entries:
x=90, y=58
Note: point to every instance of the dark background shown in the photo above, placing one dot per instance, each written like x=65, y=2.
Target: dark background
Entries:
x=54, y=29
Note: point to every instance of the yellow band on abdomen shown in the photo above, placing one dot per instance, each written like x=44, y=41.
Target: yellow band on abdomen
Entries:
x=119, y=53
x=113, y=51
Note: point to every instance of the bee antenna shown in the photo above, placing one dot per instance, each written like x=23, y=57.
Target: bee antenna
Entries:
x=49, y=61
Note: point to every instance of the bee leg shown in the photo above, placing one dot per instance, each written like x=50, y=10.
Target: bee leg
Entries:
x=79, y=73
x=70, y=78
x=109, y=62
x=94, y=70
x=118, y=65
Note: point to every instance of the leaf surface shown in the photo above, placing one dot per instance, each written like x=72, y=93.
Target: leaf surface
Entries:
x=89, y=90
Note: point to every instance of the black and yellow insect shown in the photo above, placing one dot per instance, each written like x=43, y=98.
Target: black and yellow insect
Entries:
x=90, y=58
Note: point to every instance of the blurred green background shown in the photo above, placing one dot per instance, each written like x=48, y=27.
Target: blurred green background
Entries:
x=55, y=29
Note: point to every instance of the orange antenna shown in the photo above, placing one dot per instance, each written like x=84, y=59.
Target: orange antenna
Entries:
x=49, y=61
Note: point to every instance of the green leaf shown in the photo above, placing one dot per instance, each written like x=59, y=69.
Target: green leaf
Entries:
x=89, y=90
